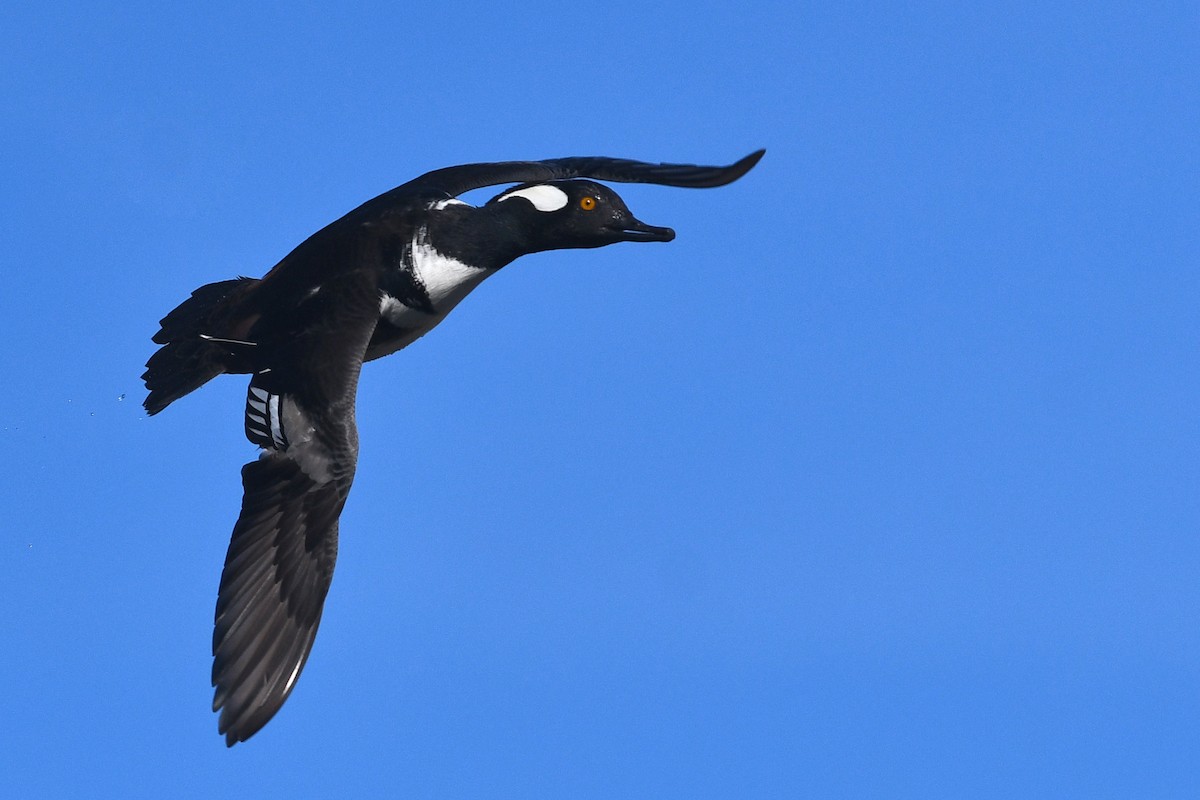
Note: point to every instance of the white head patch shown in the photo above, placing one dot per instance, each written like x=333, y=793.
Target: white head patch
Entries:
x=543, y=197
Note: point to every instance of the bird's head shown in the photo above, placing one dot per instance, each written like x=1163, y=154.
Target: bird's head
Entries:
x=565, y=214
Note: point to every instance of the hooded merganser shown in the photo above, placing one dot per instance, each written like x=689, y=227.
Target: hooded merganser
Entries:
x=362, y=287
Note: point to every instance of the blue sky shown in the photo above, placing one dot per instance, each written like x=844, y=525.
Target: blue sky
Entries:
x=879, y=481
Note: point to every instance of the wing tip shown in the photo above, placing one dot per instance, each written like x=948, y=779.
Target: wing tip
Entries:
x=238, y=725
x=741, y=167
x=751, y=160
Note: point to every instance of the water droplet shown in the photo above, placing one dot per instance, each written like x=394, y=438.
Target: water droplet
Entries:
x=120, y=397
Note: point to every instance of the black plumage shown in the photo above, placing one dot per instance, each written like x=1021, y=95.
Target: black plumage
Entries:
x=362, y=287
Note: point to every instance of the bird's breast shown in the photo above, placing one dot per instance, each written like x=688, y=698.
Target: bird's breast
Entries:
x=419, y=293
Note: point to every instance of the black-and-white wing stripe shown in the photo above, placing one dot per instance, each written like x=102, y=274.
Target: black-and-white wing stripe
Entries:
x=264, y=419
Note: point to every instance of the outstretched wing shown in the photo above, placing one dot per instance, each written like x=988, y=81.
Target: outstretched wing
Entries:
x=456, y=180
x=300, y=410
x=277, y=573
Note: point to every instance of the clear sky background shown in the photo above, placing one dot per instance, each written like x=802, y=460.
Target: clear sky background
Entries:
x=880, y=480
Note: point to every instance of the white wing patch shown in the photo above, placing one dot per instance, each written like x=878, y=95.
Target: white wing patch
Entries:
x=543, y=197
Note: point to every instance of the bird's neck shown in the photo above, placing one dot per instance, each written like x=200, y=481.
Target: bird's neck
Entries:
x=490, y=236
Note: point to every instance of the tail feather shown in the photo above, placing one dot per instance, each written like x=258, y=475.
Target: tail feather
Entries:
x=186, y=360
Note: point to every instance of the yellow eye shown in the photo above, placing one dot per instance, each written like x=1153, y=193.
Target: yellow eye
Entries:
x=587, y=203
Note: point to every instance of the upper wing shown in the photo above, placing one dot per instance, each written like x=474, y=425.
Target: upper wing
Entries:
x=456, y=180
x=281, y=557
x=412, y=197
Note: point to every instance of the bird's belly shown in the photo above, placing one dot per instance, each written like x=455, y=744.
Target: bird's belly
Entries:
x=389, y=337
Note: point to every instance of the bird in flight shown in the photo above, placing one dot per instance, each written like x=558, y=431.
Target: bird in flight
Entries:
x=362, y=287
